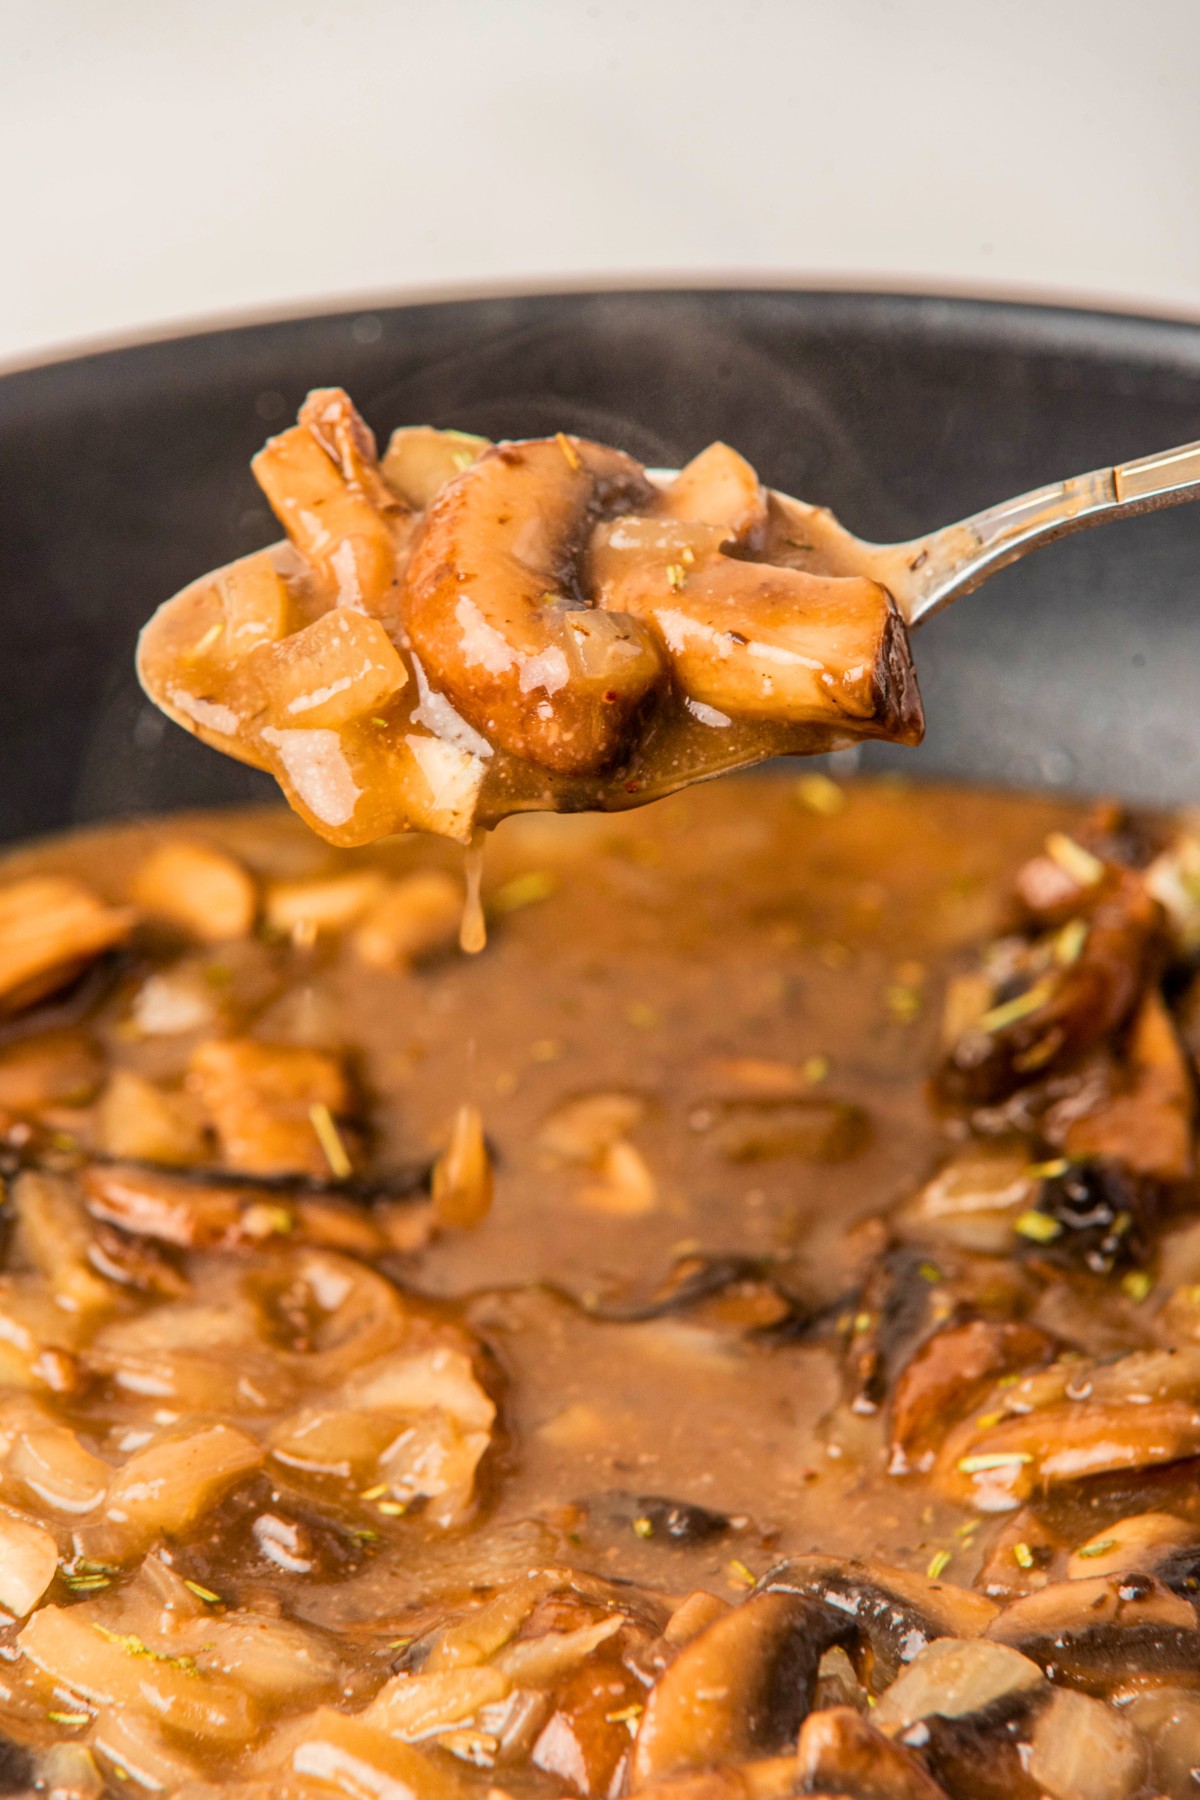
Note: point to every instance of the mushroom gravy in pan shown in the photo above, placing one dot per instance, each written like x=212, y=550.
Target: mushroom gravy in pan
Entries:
x=738, y=1336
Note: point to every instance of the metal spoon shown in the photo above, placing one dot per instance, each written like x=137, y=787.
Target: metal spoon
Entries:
x=928, y=573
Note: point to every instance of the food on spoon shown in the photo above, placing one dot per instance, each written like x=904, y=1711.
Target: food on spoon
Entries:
x=462, y=630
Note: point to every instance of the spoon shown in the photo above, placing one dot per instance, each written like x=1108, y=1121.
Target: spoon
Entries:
x=928, y=573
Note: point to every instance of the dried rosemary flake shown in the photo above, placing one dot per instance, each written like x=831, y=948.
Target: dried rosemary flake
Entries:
x=1023, y=1555
x=929, y=1272
x=1038, y=1226
x=643, y=1528
x=570, y=453
x=676, y=576
x=992, y=1459
x=820, y=794
x=523, y=890
x=374, y=1493
x=392, y=1509
x=204, y=644
x=1073, y=859
x=939, y=1562
x=400, y=1643
x=203, y=1593
x=136, y=1646
x=968, y=1529
x=739, y=1573
x=1008, y=1013
x=1048, y=1171
x=862, y=1322
x=330, y=1140
x=625, y=1715
x=1069, y=942
x=902, y=1001
x=1137, y=1284
x=66, y=1718
x=1100, y=1548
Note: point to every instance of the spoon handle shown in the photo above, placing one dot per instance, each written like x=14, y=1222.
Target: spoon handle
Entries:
x=928, y=573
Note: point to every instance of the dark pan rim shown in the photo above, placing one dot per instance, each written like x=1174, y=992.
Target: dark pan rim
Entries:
x=1104, y=326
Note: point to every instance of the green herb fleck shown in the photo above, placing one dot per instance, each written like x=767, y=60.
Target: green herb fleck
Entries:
x=992, y=1459
x=1038, y=1226
x=1137, y=1284
x=203, y=1593
x=643, y=1528
x=1083, y=868
x=939, y=1562
x=1023, y=1555
x=1100, y=1548
x=523, y=890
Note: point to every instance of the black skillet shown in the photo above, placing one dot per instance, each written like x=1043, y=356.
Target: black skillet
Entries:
x=124, y=474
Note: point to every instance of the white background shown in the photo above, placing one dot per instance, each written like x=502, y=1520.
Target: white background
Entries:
x=164, y=160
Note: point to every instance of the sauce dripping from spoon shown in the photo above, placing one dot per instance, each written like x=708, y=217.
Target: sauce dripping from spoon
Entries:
x=472, y=934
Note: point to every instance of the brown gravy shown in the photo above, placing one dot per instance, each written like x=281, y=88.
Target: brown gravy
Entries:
x=675, y=1325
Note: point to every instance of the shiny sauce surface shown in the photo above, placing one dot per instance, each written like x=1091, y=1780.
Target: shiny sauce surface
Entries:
x=601, y=1275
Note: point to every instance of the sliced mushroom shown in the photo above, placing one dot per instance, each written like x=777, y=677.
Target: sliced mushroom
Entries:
x=275, y=1108
x=51, y=928
x=323, y=483
x=1146, y=1122
x=947, y=1374
x=968, y=1707
x=718, y=488
x=420, y=460
x=1074, y=1419
x=1082, y=1750
x=1156, y=1543
x=1064, y=1010
x=757, y=641
x=892, y=1614
x=739, y=1689
x=1104, y=1631
x=495, y=613
x=839, y=1752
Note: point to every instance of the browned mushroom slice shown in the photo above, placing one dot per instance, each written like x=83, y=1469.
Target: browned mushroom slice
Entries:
x=1064, y=1010
x=718, y=488
x=892, y=1614
x=1102, y=1632
x=970, y=1706
x=1146, y=1122
x=323, y=482
x=492, y=604
x=275, y=1108
x=753, y=641
x=420, y=460
x=1155, y=1543
x=51, y=928
x=947, y=1373
x=222, y=1215
x=1075, y=1419
x=739, y=1689
x=839, y=1752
